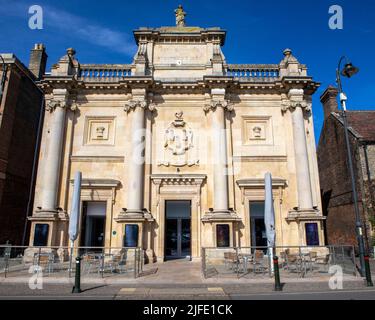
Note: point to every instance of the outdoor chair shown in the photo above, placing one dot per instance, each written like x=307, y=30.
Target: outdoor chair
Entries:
x=259, y=262
x=43, y=260
x=283, y=260
x=5, y=259
x=231, y=260
x=226, y=259
x=323, y=262
x=312, y=260
x=122, y=262
x=295, y=264
x=91, y=261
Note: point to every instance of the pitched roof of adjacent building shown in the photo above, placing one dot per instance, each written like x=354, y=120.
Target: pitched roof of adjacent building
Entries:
x=361, y=124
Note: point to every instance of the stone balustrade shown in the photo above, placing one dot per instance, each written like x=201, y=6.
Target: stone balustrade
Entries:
x=113, y=73
x=104, y=73
x=256, y=72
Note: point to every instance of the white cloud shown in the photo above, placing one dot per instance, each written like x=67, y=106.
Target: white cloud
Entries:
x=60, y=22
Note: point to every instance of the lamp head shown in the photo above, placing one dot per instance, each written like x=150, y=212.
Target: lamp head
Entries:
x=349, y=70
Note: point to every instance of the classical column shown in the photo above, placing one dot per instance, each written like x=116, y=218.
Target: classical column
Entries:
x=136, y=159
x=218, y=106
x=51, y=169
x=298, y=105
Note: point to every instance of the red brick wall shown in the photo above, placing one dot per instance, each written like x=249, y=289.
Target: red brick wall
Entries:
x=18, y=133
x=336, y=183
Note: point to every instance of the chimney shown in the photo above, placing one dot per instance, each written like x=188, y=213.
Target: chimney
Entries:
x=329, y=101
x=38, y=60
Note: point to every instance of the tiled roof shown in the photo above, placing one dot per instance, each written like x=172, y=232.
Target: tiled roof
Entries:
x=362, y=124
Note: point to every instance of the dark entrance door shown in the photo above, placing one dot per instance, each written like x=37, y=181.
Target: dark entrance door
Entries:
x=93, y=224
x=177, y=229
x=258, y=228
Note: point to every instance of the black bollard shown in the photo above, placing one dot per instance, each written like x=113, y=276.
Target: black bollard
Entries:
x=77, y=284
x=368, y=272
x=276, y=270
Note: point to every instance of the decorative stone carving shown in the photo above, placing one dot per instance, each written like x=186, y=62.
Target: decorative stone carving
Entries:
x=51, y=105
x=218, y=104
x=133, y=104
x=179, y=140
x=99, y=131
x=291, y=105
x=257, y=132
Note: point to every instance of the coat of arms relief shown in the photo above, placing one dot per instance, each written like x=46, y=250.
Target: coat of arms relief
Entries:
x=179, y=144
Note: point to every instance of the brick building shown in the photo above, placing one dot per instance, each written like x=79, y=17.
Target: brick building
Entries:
x=19, y=124
x=334, y=172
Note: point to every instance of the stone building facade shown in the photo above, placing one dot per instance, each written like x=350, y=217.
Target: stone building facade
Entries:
x=335, y=179
x=20, y=114
x=173, y=148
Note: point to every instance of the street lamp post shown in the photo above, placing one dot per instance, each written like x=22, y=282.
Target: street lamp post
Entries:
x=348, y=71
x=3, y=78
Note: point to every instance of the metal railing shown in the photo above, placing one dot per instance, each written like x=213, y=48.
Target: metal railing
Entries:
x=97, y=262
x=294, y=262
x=104, y=73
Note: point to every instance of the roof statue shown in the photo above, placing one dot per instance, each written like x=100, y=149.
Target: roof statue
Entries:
x=180, y=16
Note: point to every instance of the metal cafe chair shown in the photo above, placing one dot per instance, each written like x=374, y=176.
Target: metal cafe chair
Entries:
x=43, y=260
x=259, y=262
x=118, y=262
x=92, y=260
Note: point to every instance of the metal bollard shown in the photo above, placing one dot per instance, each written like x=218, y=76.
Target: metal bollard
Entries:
x=77, y=284
x=278, y=286
x=368, y=272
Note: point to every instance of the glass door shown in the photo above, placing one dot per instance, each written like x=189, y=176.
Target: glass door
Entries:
x=177, y=230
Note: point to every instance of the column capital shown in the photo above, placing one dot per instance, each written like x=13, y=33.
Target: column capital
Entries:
x=218, y=103
x=136, y=103
x=295, y=100
x=53, y=104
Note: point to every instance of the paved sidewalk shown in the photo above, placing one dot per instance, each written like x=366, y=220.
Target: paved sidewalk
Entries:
x=185, y=292
x=175, y=272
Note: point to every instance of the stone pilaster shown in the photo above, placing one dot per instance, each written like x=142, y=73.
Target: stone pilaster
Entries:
x=298, y=106
x=218, y=106
x=136, y=110
x=51, y=171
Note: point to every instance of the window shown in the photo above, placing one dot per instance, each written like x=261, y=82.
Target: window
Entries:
x=312, y=234
x=131, y=236
x=41, y=235
x=222, y=235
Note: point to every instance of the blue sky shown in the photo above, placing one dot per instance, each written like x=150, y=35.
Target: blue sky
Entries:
x=257, y=32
